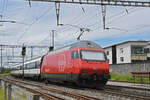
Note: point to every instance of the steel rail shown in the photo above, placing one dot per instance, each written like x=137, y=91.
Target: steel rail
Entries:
x=137, y=97
x=128, y=87
x=120, y=93
x=115, y=90
x=143, y=97
x=73, y=95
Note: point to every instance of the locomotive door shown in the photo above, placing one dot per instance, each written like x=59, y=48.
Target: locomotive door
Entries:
x=75, y=63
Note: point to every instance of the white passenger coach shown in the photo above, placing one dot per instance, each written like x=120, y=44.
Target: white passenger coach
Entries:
x=31, y=68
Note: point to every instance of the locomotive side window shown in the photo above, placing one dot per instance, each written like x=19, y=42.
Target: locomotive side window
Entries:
x=75, y=55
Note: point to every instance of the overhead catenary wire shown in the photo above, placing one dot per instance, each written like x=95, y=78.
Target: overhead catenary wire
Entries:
x=111, y=19
x=116, y=17
x=81, y=21
x=4, y=8
x=30, y=25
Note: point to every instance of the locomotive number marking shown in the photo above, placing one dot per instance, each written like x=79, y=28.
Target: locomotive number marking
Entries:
x=61, y=62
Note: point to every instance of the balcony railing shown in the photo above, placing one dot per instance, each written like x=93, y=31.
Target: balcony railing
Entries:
x=138, y=56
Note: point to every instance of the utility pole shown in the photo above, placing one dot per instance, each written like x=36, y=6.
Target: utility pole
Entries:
x=104, y=16
x=57, y=7
x=1, y=59
x=12, y=52
x=31, y=52
x=51, y=48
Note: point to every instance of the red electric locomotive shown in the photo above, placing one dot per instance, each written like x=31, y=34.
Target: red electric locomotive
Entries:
x=83, y=62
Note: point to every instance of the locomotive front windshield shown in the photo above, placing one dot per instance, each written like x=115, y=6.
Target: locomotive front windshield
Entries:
x=93, y=55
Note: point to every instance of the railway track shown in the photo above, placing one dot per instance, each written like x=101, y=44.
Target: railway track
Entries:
x=128, y=87
x=46, y=95
x=127, y=94
x=119, y=91
x=110, y=90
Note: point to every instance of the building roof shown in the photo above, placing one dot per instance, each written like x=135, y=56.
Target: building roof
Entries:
x=125, y=42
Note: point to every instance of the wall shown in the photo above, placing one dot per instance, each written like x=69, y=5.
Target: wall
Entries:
x=123, y=50
x=110, y=54
x=127, y=68
x=148, y=46
x=16, y=93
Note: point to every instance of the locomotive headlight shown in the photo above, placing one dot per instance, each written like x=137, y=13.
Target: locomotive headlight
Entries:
x=84, y=71
x=95, y=69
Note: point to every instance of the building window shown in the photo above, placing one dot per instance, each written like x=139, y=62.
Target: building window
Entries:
x=121, y=50
x=107, y=52
x=121, y=59
x=137, y=50
x=146, y=50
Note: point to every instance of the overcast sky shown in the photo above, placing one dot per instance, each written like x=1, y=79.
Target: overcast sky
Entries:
x=35, y=23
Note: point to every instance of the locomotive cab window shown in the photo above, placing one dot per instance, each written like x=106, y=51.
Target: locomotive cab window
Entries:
x=93, y=55
x=75, y=55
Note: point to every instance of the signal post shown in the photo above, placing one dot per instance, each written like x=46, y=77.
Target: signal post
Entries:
x=23, y=56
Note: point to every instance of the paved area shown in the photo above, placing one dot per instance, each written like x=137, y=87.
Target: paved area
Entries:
x=147, y=86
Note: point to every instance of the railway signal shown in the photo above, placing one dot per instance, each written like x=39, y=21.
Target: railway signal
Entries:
x=23, y=51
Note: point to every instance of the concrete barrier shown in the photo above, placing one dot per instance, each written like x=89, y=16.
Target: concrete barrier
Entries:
x=17, y=93
x=128, y=68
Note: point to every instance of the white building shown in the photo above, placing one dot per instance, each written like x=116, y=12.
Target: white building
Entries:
x=147, y=50
x=126, y=52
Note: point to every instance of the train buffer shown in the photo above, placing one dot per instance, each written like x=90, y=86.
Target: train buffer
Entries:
x=141, y=75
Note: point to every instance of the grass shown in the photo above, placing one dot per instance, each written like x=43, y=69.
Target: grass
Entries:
x=127, y=77
x=1, y=94
x=4, y=74
x=21, y=95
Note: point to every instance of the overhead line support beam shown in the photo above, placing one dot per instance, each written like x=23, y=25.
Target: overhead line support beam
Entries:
x=103, y=2
x=20, y=46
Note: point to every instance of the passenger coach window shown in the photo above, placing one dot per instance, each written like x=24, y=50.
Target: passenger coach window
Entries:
x=75, y=55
